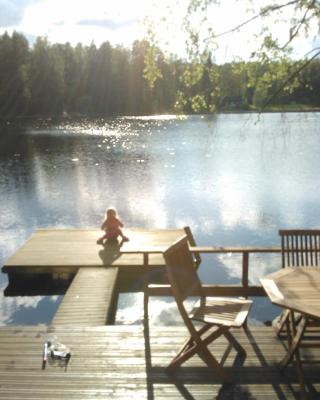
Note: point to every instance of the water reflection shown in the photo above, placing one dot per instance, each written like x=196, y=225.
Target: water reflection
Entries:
x=164, y=312
x=234, y=181
x=27, y=310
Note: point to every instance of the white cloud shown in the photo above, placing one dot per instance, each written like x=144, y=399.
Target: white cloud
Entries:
x=106, y=23
x=82, y=21
x=12, y=11
x=120, y=22
x=10, y=306
x=10, y=14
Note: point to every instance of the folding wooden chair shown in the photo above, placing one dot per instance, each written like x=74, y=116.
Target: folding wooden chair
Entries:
x=216, y=314
x=299, y=247
x=149, y=286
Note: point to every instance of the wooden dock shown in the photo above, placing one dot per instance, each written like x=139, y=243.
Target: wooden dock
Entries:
x=125, y=362
x=90, y=298
x=66, y=250
x=128, y=362
x=47, y=262
x=93, y=269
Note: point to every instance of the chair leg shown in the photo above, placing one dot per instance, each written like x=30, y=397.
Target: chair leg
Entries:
x=212, y=362
x=186, y=346
x=190, y=342
x=207, y=357
x=197, y=345
x=234, y=342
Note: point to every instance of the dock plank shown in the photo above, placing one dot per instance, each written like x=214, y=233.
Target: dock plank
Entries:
x=65, y=250
x=89, y=299
x=124, y=362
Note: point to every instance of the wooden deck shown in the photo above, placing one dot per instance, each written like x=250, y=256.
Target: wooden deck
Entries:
x=90, y=298
x=128, y=362
x=65, y=250
x=51, y=257
x=125, y=362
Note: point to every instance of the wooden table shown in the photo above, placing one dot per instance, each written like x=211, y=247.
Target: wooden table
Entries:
x=298, y=290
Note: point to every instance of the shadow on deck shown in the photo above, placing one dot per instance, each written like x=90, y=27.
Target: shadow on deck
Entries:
x=128, y=362
x=255, y=375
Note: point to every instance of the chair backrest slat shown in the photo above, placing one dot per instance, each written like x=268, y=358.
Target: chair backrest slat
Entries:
x=316, y=249
x=192, y=242
x=300, y=247
x=181, y=270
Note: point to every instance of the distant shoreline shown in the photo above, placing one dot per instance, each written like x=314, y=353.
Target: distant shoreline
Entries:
x=21, y=120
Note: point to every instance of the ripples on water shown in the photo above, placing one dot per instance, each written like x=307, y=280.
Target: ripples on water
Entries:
x=235, y=180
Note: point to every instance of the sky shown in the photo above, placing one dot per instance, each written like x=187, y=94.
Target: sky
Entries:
x=121, y=22
x=74, y=20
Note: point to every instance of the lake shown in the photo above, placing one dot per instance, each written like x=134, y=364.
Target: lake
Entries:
x=235, y=179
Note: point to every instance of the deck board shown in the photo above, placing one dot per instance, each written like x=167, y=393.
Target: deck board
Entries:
x=89, y=299
x=114, y=362
x=127, y=362
x=68, y=249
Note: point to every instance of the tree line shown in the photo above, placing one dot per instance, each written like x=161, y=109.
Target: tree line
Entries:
x=48, y=80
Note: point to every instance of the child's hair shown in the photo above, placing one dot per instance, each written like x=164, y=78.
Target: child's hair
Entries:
x=111, y=211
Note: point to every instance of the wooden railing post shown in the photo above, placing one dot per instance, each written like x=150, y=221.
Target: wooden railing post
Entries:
x=145, y=284
x=145, y=259
x=245, y=270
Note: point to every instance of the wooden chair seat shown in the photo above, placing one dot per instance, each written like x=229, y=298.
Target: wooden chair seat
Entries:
x=210, y=318
x=221, y=311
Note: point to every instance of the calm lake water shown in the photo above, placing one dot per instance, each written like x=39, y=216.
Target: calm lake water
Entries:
x=235, y=179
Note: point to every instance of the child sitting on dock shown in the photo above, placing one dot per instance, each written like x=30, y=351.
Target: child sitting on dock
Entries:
x=112, y=227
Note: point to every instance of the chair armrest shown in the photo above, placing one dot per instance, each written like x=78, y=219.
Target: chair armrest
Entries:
x=159, y=290
x=232, y=291
x=163, y=290
x=211, y=290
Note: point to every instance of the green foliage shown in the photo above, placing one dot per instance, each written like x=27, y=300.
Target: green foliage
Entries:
x=46, y=80
x=269, y=78
x=198, y=103
x=151, y=71
x=193, y=74
x=49, y=80
x=181, y=102
x=14, y=91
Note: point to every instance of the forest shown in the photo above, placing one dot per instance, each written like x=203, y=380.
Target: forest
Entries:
x=50, y=80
